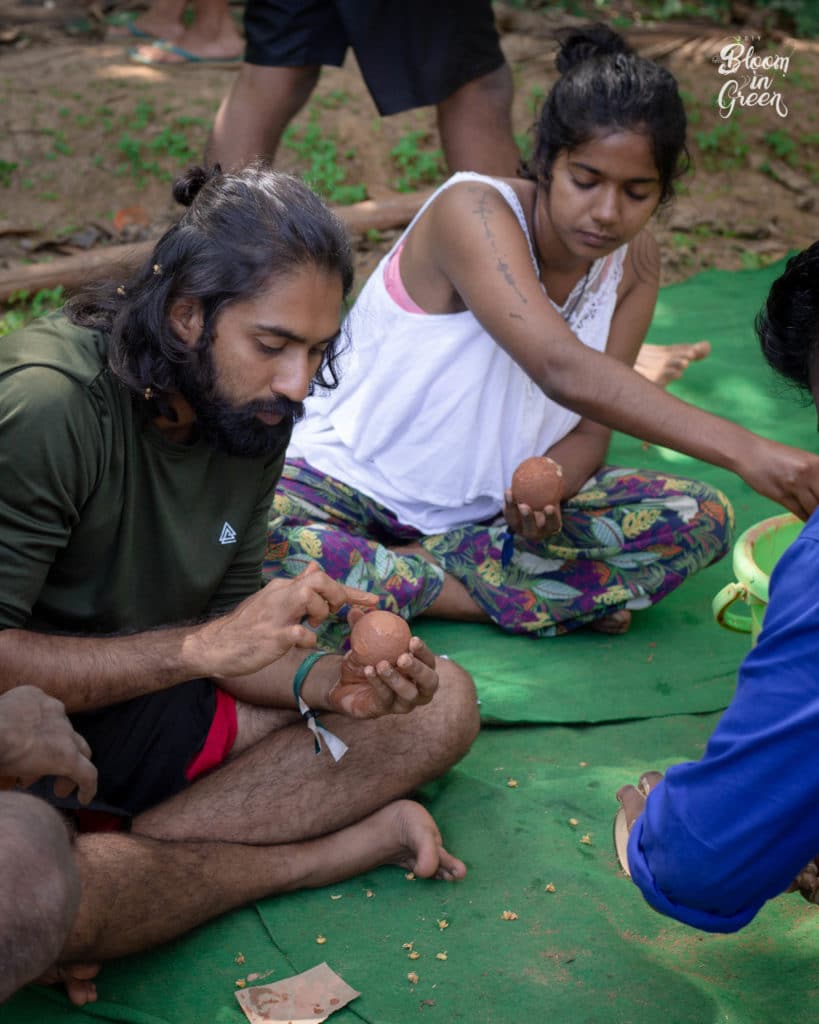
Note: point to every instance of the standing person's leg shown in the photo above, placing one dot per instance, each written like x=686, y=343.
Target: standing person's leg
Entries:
x=162, y=20
x=288, y=41
x=444, y=55
x=252, y=117
x=211, y=36
x=475, y=125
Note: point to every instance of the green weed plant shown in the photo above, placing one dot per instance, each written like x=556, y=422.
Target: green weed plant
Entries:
x=324, y=173
x=416, y=165
x=22, y=307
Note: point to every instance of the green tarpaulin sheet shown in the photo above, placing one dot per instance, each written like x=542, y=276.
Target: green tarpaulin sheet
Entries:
x=592, y=713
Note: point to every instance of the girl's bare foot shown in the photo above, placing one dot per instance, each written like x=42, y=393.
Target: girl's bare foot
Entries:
x=77, y=978
x=662, y=364
x=615, y=624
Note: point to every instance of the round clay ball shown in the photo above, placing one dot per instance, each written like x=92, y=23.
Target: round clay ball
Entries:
x=538, y=482
x=379, y=636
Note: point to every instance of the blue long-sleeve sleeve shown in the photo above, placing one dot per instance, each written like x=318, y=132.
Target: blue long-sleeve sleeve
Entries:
x=720, y=836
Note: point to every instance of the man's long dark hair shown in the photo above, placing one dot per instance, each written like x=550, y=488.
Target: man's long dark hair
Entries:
x=242, y=231
x=788, y=324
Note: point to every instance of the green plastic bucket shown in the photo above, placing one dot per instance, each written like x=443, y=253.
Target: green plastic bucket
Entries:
x=756, y=552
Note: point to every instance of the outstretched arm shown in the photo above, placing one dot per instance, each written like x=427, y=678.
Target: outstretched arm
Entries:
x=479, y=247
x=582, y=452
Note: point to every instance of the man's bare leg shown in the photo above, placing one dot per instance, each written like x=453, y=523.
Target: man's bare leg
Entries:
x=662, y=364
x=139, y=892
x=276, y=818
x=253, y=116
x=475, y=125
x=39, y=889
x=162, y=20
x=279, y=791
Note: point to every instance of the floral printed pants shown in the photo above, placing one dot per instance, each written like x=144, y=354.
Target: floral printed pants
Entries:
x=628, y=539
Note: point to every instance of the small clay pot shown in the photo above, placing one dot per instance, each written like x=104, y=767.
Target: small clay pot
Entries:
x=538, y=482
x=379, y=636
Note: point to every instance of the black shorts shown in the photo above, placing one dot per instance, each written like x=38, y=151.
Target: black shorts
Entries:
x=412, y=53
x=142, y=749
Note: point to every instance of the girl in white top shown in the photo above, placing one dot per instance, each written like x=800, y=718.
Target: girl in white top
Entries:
x=505, y=324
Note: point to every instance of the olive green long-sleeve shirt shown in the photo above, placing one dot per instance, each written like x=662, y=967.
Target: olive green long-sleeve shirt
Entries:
x=105, y=525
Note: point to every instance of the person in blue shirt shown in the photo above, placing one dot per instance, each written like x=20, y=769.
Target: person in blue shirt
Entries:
x=714, y=839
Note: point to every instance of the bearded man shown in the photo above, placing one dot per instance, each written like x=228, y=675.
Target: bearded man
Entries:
x=142, y=432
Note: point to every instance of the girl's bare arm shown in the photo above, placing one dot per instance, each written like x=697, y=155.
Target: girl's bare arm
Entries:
x=475, y=241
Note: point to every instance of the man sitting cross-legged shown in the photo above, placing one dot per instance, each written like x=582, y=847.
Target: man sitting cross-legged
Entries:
x=142, y=431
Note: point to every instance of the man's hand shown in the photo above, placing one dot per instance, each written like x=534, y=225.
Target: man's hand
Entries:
x=269, y=623
x=36, y=738
x=633, y=802
x=364, y=691
x=532, y=524
x=807, y=881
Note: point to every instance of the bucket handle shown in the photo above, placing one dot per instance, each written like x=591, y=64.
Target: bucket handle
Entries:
x=722, y=602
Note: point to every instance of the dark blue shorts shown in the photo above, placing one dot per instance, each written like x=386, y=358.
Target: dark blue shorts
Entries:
x=412, y=53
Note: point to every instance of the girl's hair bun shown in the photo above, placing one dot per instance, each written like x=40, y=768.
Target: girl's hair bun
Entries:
x=579, y=45
x=187, y=187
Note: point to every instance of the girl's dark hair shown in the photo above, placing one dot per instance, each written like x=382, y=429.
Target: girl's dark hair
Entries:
x=788, y=324
x=241, y=231
x=605, y=87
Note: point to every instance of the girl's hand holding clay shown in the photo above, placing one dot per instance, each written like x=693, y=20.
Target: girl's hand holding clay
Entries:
x=402, y=677
x=532, y=503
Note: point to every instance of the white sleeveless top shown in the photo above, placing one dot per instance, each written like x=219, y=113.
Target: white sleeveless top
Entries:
x=432, y=416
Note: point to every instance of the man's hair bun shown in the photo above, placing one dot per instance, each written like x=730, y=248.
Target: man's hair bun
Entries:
x=187, y=187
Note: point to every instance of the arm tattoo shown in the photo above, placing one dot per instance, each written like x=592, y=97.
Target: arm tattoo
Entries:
x=484, y=211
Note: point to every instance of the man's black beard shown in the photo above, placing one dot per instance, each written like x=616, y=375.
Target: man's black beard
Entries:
x=235, y=429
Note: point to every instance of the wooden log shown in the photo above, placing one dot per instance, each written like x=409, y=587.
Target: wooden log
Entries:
x=72, y=272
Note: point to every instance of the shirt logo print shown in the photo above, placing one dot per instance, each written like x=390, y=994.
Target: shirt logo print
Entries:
x=228, y=534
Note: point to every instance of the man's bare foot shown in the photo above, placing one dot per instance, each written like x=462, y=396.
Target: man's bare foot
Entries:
x=77, y=978
x=661, y=364
x=615, y=624
x=404, y=833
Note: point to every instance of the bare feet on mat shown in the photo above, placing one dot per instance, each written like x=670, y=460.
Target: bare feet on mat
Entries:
x=616, y=623
x=77, y=978
x=661, y=364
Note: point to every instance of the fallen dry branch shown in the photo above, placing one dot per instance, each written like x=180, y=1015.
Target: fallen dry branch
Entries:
x=72, y=272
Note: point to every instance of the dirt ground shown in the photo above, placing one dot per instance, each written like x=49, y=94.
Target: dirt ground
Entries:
x=91, y=141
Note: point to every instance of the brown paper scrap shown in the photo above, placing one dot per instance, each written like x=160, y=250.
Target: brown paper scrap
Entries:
x=306, y=998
